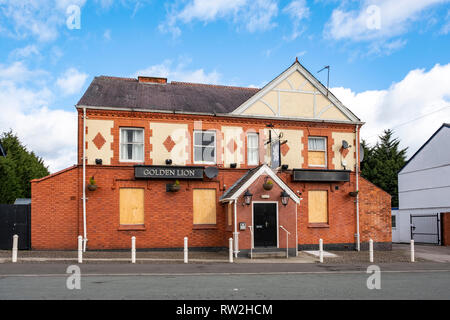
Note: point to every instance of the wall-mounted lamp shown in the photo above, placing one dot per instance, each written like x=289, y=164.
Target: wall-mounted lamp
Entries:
x=98, y=161
x=284, y=198
x=284, y=167
x=233, y=165
x=168, y=162
x=248, y=197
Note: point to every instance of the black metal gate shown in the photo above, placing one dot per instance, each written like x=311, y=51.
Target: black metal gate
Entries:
x=15, y=219
x=425, y=228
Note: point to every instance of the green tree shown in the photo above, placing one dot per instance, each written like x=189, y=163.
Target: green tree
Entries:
x=17, y=169
x=382, y=163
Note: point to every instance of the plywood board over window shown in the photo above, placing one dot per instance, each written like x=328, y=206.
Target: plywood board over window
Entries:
x=131, y=206
x=318, y=206
x=204, y=206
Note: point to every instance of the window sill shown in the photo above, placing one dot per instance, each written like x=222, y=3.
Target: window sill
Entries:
x=139, y=227
x=204, y=227
x=318, y=225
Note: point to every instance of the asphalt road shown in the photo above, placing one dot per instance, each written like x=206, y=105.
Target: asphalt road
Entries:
x=224, y=281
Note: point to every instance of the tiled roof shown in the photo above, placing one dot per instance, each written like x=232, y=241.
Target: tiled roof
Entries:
x=240, y=182
x=129, y=93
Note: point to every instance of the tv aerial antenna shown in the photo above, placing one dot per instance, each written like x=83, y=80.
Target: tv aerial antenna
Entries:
x=328, y=77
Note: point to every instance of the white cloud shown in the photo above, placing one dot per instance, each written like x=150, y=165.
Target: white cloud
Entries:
x=419, y=95
x=297, y=10
x=107, y=35
x=179, y=73
x=254, y=15
x=376, y=19
x=72, y=81
x=51, y=134
x=42, y=19
x=25, y=52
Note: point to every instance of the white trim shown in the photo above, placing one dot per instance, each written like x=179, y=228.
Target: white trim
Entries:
x=268, y=106
x=120, y=144
x=320, y=87
x=253, y=224
x=194, y=145
x=264, y=169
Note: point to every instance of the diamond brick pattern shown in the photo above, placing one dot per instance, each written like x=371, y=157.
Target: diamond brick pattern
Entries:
x=169, y=143
x=284, y=149
x=99, y=141
x=232, y=146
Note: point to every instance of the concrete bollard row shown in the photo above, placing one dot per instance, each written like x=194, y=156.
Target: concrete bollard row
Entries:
x=185, y=249
x=412, y=251
x=321, y=250
x=133, y=249
x=80, y=249
x=14, y=248
x=230, y=250
x=370, y=250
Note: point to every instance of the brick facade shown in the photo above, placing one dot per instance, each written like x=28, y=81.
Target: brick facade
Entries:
x=57, y=216
x=445, y=218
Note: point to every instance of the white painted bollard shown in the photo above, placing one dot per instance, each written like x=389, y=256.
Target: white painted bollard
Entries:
x=370, y=250
x=133, y=249
x=80, y=249
x=412, y=251
x=321, y=250
x=185, y=249
x=230, y=250
x=14, y=248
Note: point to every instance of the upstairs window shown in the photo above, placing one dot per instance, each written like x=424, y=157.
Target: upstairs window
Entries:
x=131, y=145
x=317, y=152
x=252, y=149
x=205, y=147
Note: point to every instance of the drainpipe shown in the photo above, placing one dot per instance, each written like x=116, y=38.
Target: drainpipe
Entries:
x=84, y=181
x=235, y=233
x=358, y=243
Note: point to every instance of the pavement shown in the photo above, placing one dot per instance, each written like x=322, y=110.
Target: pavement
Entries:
x=399, y=253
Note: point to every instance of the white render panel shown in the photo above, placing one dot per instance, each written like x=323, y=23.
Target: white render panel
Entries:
x=434, y=154
x=425, y=179
x=428, y=198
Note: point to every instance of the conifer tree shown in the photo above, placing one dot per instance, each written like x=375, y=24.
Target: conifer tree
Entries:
x=382, y=163
x=17, y=169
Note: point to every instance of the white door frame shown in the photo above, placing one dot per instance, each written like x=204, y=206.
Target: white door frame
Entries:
x=253, y=225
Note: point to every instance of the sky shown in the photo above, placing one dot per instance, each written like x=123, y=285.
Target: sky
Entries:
x=389, y=60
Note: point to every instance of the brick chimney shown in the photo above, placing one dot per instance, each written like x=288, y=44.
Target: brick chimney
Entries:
x=143, y=79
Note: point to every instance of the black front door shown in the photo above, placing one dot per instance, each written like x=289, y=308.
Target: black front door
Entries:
x=265, y=224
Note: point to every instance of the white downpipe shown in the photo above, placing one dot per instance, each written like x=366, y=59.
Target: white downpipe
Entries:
x=358, y=242
x=235, y=233
x=84, y=181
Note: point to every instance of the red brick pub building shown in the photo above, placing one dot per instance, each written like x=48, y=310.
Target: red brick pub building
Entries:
x=273, y=168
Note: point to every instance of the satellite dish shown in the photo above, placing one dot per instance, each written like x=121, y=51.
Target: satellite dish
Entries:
x=361, y=153
x=211, y=172
x=345, y=144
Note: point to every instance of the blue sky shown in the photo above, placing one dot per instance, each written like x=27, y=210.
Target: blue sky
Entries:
x=390, y=60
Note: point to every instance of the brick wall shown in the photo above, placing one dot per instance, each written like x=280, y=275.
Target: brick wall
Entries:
x=375, y=215
x=445, y=228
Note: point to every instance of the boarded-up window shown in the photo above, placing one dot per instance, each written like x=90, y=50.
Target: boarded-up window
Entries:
x=318, y=206
x=204, y=206
x=230, y=213
x=317, y=153
x=131, y=206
